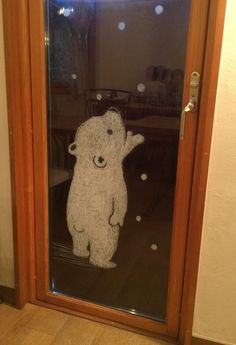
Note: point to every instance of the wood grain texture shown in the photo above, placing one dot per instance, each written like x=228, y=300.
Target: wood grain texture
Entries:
x=124, y=326
x=79, y=331
x=11, y=317
x=40, y=326
x=16, y=39
x=203, y=144
x=47, y=321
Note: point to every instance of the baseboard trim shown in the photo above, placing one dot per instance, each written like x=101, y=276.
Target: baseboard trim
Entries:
x=201, y=341
x=7, y=295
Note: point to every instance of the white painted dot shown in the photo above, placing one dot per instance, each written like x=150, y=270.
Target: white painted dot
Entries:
x=99, y=96
x=144, y=177
x=138, y=218
x=121, y=26
x=67, y=12
x=74, y=76
x=159, y=9
x=141, y=87
x=154, y=246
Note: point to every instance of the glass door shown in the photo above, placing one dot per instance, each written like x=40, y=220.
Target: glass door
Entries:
x=115, y=232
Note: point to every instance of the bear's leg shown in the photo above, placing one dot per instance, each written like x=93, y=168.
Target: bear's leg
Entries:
x=80, y=244
x=103, y=248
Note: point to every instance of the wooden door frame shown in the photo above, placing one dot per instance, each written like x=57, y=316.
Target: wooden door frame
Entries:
x=19, y=83
x=194, y=62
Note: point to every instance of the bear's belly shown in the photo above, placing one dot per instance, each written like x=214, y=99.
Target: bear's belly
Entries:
x=89, y=208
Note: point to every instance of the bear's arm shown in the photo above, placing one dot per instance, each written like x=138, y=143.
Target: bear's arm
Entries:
x=131, y=142
x=119, y=209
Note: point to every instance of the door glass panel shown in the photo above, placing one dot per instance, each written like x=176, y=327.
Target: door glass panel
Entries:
x=115, y=74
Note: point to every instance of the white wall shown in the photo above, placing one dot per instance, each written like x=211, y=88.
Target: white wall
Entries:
x=6, y=241
x=215, y=310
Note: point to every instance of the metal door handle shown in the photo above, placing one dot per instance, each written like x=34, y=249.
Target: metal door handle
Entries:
x=189, y=107
x=193, y=100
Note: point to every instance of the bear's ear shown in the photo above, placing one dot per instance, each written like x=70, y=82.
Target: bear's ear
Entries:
x=114, y=109
x=72, y=148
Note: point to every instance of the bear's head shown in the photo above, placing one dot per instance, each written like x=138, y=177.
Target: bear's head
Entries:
x=100, y=140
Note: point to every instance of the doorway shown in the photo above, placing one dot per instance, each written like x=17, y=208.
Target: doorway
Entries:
x=46, y=190
x=117, y=178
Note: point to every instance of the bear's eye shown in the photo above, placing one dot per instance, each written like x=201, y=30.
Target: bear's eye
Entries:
x=109, y=131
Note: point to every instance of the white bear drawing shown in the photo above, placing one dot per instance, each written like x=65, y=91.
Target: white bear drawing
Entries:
x=97, y=200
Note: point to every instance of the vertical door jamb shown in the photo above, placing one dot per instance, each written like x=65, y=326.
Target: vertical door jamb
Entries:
x=201, y=163
x=18, y=83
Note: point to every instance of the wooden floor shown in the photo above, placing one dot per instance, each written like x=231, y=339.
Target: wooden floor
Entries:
x=36, y=325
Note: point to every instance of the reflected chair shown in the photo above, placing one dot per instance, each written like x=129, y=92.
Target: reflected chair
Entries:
x=60, y=170
x=99, y=100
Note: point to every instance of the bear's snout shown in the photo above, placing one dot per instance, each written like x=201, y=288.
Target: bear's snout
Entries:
x=99, y=161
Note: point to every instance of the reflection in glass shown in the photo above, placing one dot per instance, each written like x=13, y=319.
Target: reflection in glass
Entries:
x=128, y=55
